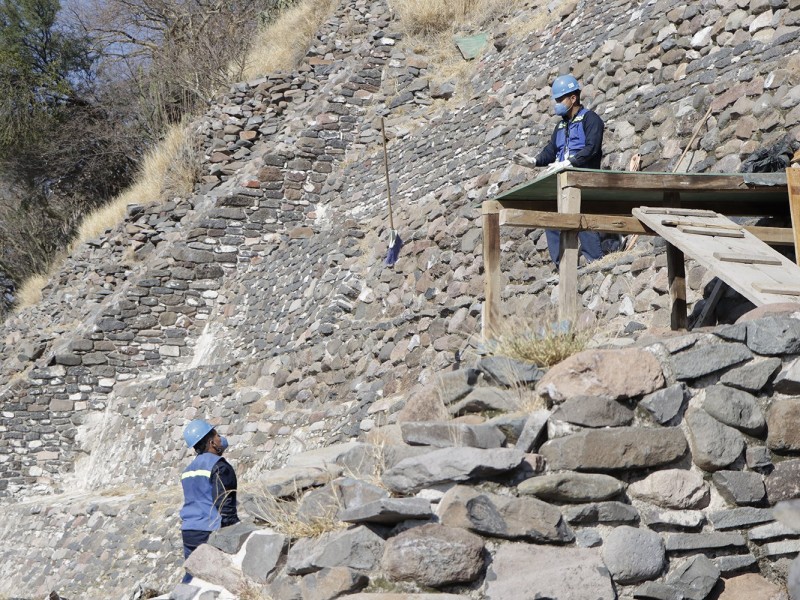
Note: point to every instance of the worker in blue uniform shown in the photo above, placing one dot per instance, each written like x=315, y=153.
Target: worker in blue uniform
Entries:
x=209, y=488
x=576, y=141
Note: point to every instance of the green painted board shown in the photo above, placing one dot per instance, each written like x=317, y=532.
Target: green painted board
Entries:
x=769, y=189
x=470, y=46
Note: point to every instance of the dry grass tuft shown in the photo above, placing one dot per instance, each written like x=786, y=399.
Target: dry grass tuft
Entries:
x=534, y=21
x=611, y=259
x=170, y=169
x=283, y=43
x=526, y=399
x=427, y=17
x=543, y=344
x=281, y=515
x=30, y=292
x=250, y=591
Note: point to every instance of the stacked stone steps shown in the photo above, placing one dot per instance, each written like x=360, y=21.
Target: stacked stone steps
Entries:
x=619, y=485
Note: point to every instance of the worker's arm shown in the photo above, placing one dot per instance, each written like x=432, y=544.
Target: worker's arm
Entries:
x=549, y=152
x=589, y=156
x=223, y=479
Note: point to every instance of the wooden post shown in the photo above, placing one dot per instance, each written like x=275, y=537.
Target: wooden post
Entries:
x=793, y=183
x=491, y=267
x=569, y=201
x=676, y=274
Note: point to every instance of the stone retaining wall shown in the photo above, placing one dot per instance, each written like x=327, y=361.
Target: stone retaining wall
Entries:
x=261, y=301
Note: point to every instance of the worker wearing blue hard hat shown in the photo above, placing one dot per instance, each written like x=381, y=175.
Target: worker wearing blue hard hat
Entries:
x=576, y=141
x=209, y=488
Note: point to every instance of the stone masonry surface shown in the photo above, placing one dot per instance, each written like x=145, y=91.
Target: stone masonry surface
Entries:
x=261, y=303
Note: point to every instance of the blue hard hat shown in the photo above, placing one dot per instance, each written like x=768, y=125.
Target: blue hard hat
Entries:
x=565, y=84
x=196, y=431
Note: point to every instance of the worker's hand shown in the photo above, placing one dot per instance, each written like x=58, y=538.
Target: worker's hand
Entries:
x=524, y=160
x=557, y=167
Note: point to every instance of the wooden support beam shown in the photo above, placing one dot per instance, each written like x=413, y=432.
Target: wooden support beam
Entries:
x=774, y=236
x=676, y=271
x=569, y=202
x=533, y=219
x=491, y=266
x=676, y=275
x=793, y=183
x=580, y=222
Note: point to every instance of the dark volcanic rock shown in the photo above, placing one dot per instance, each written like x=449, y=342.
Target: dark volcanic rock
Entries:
x=698, y=362
x=623, y=448
x=774, y=336
x=434, y=555
x=714, y=445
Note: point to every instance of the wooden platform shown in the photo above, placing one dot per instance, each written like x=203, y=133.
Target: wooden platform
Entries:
x=584, y=199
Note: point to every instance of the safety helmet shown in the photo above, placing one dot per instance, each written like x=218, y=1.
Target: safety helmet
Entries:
x=563, y=85
x=196, y=431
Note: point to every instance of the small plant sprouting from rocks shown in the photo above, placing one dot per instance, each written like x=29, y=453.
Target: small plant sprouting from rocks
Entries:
x=249, y=591
x=541, y=345
x=526, y=399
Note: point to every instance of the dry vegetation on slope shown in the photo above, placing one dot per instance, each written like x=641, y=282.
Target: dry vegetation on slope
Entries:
x=170, y=168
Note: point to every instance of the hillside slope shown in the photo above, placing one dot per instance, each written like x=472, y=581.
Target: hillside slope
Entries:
x=261, y=302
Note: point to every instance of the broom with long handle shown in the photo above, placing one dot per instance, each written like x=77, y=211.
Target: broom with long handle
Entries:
x=395, y=242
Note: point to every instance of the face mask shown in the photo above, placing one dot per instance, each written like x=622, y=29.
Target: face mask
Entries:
x=223, y=444
x=562, y=109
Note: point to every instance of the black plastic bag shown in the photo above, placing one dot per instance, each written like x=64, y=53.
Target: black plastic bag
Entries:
x=772, y=159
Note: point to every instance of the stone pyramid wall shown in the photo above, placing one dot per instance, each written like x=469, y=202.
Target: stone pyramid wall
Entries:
x=261, y=302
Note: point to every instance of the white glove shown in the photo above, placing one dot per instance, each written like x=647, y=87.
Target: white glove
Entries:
x=557, y=167
x=524, y=160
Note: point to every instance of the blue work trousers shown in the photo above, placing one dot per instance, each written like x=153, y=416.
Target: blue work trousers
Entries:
x=192, y=538
x=589, y=244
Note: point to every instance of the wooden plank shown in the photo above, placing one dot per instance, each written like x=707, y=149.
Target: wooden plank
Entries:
x=710, y=231
x=678, y=223
x=540, y=218
x=750, y=259
x=728, y=182
x=676, y=270
x=491, y=266
x=793, y=184
x=782, y=290
x=569, y=202
x=678, y=212
x=739, y=276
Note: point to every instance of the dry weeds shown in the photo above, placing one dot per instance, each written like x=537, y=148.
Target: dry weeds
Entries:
x=283, y=43
x=30, y=292
x=431, y=25
x=543, y=343
x=281, y=515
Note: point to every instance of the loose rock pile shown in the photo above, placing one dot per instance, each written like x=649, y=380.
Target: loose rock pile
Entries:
x=646, y=473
